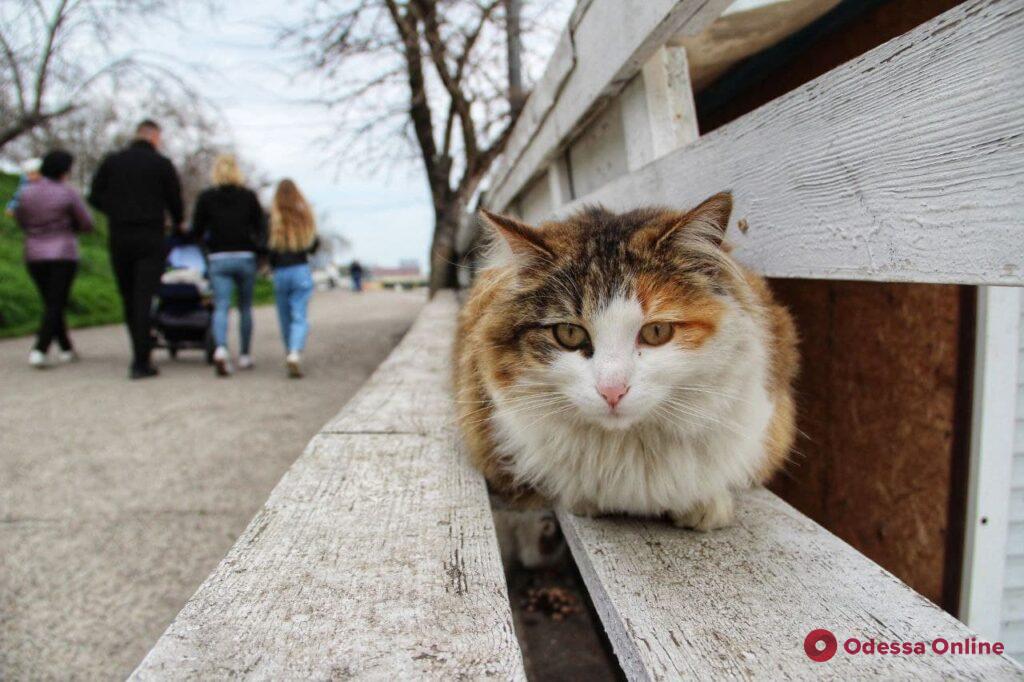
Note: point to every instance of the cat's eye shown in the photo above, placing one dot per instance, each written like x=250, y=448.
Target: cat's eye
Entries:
x=570, y=336
x=657, y=333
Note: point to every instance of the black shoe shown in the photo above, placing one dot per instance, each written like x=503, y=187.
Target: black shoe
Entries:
x=143, y=372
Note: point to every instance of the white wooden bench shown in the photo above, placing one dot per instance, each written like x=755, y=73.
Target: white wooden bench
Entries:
x=375, y=556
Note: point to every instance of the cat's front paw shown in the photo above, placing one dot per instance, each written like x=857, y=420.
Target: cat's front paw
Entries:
x=719, y=512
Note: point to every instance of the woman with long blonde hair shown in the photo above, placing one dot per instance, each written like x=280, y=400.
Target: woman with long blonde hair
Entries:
x=292, y=240
x=228, y=218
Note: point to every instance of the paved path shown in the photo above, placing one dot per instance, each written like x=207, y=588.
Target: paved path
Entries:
x=117, y=498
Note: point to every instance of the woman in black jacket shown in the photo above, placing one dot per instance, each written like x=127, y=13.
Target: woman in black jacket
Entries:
x=229, y=219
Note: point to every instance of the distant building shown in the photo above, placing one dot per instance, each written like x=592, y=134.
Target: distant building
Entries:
x=405, y=269
x=408, y=273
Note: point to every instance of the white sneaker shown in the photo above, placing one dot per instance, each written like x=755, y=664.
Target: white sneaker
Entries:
x=222, y=361
x=245, y=362
x=294, y=363
x=37, y=359
x=67, y=356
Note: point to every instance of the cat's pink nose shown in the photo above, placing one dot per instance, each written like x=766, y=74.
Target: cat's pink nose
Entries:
x=612, y=393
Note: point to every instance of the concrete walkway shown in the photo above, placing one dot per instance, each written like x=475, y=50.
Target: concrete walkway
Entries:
x=117, y=498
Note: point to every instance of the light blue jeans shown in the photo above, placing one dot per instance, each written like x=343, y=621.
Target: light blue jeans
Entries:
x=225, y=275
x=293, y=286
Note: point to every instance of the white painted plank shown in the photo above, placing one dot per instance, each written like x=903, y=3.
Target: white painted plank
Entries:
x=1013, y=605
x=559, y=182
x=991, y=458
x=1018, y=459
x=1016, y=503
x=537, y=108
x=417, y=371
x=536, y=201
x=1014, y=640
x=1013, y=594
x=658, y=110
x=636, y=124
x=1014, y=571
x=611, y=40
x=374, y=557
x=598, y=156
x=1015, y=539
x=738, y=603
x=906, y=164
x=670, y=100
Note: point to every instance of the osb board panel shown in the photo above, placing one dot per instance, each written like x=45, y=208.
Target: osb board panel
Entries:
x=878, y=401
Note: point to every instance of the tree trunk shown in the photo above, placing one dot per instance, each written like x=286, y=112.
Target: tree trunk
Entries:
x=443, y=267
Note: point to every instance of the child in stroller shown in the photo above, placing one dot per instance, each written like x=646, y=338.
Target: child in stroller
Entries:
x=184, y=310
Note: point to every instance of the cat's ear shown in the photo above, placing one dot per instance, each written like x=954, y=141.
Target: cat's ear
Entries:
x=707, y=221
x=521, y=238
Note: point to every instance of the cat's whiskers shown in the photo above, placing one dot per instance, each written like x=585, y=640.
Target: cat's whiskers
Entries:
x=513, y=400
x=712, y=392
x=686, y=410
x=520, y=406
x=549, y=414
x=517, y=400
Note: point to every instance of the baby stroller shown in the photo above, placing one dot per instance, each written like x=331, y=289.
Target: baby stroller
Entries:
x=184, y=310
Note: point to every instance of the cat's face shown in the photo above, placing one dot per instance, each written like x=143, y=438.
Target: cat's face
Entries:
x=614, y=320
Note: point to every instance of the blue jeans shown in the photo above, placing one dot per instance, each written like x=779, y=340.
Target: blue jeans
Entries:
x=225, y=275
x=293, y=286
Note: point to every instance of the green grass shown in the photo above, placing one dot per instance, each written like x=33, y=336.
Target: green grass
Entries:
x=94, y=298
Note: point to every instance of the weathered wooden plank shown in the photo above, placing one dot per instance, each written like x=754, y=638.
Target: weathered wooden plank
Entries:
x=990, y=466
x=598, y=155
x=906, y=164
x=658, y=112
x=613, y=40
x=739, y=602
x=670, y=104
x=409, y=391
x=536, y=200
x=539, y=104
x=375, y=556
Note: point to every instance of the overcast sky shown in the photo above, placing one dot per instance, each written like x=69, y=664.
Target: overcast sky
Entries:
x=257, y=89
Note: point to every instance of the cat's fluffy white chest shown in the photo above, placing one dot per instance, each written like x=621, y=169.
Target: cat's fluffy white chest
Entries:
x=650, y=469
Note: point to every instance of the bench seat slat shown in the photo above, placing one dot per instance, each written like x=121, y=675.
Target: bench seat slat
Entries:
x=737, y=603
x=375, y=556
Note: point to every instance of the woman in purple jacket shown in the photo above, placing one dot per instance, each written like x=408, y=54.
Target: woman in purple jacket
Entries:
x=52, y=214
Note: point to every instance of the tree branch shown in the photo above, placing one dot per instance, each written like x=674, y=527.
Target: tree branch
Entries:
x=12, y=62
x=426, y=9
x=26, y=123
x=419, y=105
x=47, y=55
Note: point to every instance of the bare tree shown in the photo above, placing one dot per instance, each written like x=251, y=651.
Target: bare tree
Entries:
x=429, y=74
x=52, y=55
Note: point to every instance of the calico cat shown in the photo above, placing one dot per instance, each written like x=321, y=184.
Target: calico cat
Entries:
x=625, y=363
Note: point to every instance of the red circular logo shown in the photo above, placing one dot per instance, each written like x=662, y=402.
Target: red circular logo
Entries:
x=820, y=645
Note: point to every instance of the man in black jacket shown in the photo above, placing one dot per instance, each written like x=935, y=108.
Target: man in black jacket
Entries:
x=137, y=188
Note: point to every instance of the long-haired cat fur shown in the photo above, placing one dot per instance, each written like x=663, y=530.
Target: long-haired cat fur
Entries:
x=625, y=363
